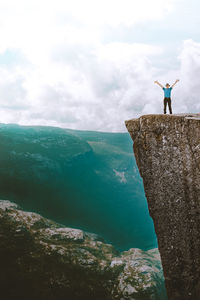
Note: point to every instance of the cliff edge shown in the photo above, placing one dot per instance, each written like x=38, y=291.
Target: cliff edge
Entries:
x=167, y=151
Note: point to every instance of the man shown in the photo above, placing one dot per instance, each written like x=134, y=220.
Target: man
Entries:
x=167, y=94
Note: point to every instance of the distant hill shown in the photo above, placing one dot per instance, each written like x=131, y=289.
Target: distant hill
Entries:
x=83, y=179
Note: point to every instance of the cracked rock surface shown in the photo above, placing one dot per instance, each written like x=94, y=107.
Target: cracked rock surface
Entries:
x=41, y=259
x=167, y=151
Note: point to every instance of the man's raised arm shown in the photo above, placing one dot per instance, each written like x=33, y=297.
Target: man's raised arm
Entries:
x=159, y=84
x=177, y=80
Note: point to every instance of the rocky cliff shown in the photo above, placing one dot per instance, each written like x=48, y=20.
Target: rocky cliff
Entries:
x=40, y=259
x=167, y=151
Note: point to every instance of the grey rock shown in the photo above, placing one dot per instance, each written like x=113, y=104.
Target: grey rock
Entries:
x=167, y=151
x=41, y=259
x=141, y=276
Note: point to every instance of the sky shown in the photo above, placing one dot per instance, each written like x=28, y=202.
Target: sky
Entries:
x=91, y=64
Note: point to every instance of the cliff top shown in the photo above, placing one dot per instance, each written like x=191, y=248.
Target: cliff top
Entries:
x=153, y=121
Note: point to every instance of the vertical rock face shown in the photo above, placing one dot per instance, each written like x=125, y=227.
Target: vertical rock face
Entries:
x=167, y=151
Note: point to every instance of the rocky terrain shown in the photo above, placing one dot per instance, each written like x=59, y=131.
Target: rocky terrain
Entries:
x=41, y=259
x=167, y=151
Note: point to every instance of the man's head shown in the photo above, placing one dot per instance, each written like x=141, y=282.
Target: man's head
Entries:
x=167, y=85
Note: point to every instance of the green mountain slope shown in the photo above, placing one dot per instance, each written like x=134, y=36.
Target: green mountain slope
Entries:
x=83, y=179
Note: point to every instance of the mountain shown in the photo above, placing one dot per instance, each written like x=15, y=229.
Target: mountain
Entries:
x=167, y=150
x=82, y=179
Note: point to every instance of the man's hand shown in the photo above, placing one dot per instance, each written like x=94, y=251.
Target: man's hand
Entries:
x=177, y=80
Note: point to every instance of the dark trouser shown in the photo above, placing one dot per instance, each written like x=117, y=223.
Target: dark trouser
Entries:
x=167, y=101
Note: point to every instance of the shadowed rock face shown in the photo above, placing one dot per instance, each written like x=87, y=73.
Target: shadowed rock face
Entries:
x=40, y=259
x=167, y=151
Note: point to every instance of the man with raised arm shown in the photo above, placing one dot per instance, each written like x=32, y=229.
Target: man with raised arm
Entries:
x=167, y=94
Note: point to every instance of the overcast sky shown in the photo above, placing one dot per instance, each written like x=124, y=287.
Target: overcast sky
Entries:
x=91, y=64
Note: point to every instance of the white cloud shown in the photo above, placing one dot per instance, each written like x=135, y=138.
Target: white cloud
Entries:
x=35, y=26
x=115, y=12
x=84, y=89
x=67, y=76
x=190, y=74
x=94, y=89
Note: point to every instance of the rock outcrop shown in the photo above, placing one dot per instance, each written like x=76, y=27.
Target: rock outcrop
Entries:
x=40, y=259
x=167, y=151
